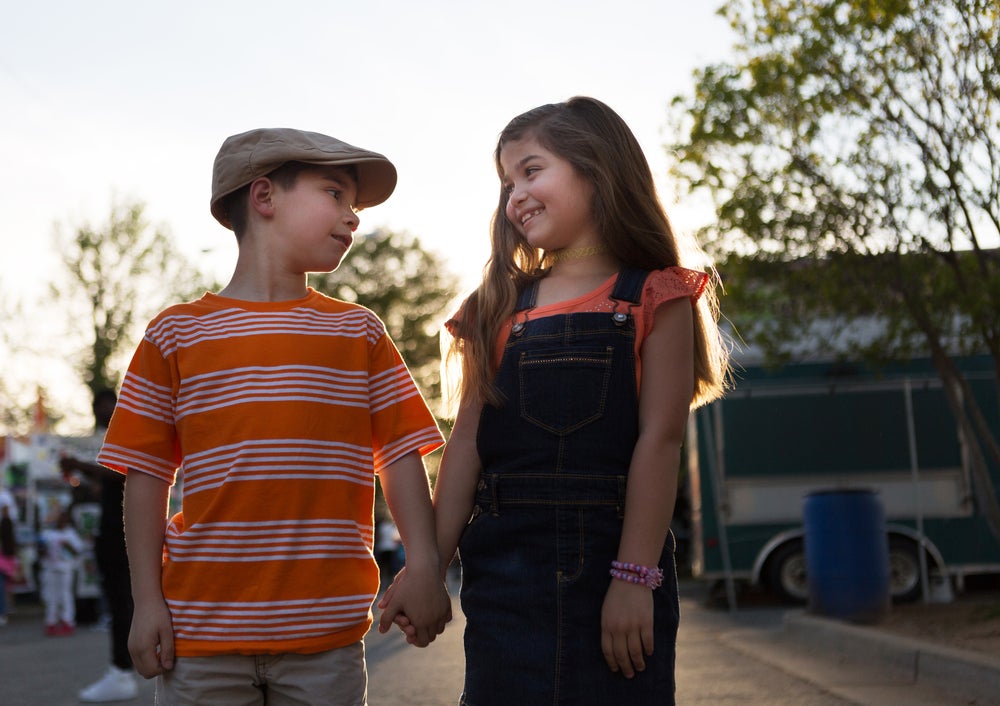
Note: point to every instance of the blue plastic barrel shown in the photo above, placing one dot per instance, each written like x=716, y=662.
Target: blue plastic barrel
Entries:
x=847, y=554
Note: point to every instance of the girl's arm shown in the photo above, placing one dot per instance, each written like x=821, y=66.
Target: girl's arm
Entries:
x=455, y=490
x=69, y=540
x=151, y=639
x=665, y=395
x=418, y=593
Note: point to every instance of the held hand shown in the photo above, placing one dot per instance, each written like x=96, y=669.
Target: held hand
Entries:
x=400, y=620
x=391, y=590
x=627, y=627
x=151, y=640
x=418, y=603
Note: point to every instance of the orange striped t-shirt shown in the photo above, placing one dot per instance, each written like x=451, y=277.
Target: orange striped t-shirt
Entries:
x=277, y=415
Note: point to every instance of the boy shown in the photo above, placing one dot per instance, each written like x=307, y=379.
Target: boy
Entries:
x=278, y=404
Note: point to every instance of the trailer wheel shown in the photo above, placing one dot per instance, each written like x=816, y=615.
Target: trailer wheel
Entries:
x=786, y=573
x=904, y=570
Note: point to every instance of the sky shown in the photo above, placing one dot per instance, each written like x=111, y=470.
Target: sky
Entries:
x=115, y=100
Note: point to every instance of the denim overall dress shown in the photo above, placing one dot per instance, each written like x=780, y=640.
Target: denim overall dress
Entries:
x=548, y=516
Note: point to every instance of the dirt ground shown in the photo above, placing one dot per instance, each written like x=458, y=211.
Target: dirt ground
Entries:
x=970, y=622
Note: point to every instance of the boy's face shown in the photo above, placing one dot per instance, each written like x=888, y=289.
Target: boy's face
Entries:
x=315, y=219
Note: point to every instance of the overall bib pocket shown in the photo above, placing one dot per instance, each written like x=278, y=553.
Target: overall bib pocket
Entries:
x=563, y=390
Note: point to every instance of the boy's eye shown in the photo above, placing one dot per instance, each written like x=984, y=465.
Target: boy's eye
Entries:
x=337, y=194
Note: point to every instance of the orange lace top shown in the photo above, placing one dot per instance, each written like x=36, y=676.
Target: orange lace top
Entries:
x=661, y=286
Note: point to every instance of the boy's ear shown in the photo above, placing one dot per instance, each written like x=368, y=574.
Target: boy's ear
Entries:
x=261, y=195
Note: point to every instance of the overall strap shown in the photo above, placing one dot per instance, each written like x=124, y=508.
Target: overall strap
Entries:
x=526, y=299
x=628, y=286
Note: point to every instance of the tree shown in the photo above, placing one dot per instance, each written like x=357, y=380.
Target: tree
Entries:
x=13, y=416
x=407, y=287
x=120, y=275
x=853, y=152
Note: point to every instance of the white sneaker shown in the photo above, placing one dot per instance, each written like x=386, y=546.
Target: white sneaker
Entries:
x=116, y=685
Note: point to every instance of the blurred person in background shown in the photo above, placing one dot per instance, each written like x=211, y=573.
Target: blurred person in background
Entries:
x=119, y=682
x=10, y=568
x=60, y=550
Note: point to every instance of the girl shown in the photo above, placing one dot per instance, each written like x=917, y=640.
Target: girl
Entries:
x=62, y=547
x=582, y=351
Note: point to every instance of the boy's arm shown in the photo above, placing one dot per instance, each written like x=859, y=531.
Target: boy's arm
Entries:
x=420, y=593
x=151, y=639
x=454, y=494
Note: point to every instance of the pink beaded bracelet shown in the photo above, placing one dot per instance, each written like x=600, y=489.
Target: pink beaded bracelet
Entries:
x=635, y=573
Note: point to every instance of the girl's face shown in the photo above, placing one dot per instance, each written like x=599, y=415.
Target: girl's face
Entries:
x=549, y=203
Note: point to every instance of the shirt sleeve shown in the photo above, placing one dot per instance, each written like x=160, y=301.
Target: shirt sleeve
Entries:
x=142, y=434
x=401, y=420
x=669, y=284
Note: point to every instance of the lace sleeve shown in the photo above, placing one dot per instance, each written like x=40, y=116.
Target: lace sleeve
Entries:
x=671, y=283
x=666, y=285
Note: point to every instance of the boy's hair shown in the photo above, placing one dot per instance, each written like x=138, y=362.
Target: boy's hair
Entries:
x=601, y=147
x=257, y=153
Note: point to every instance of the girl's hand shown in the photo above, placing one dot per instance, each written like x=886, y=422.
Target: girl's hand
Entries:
x=627, y=627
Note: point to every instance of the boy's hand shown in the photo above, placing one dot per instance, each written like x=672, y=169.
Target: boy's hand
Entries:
x=627, y=627
x=151, y=639
x=417, y=602
x=400, y=620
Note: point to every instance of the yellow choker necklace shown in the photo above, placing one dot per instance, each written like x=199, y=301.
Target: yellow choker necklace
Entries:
x=576, y=253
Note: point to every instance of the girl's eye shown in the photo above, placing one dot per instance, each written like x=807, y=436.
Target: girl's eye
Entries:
x=335, y=193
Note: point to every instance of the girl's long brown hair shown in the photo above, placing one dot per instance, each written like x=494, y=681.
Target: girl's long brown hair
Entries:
x=601, y=147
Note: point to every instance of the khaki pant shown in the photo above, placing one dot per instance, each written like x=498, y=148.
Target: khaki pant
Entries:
x=334, y=678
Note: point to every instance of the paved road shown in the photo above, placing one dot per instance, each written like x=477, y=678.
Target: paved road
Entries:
x=745, y=658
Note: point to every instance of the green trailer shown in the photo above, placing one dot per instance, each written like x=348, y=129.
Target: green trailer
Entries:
x=784, y=433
